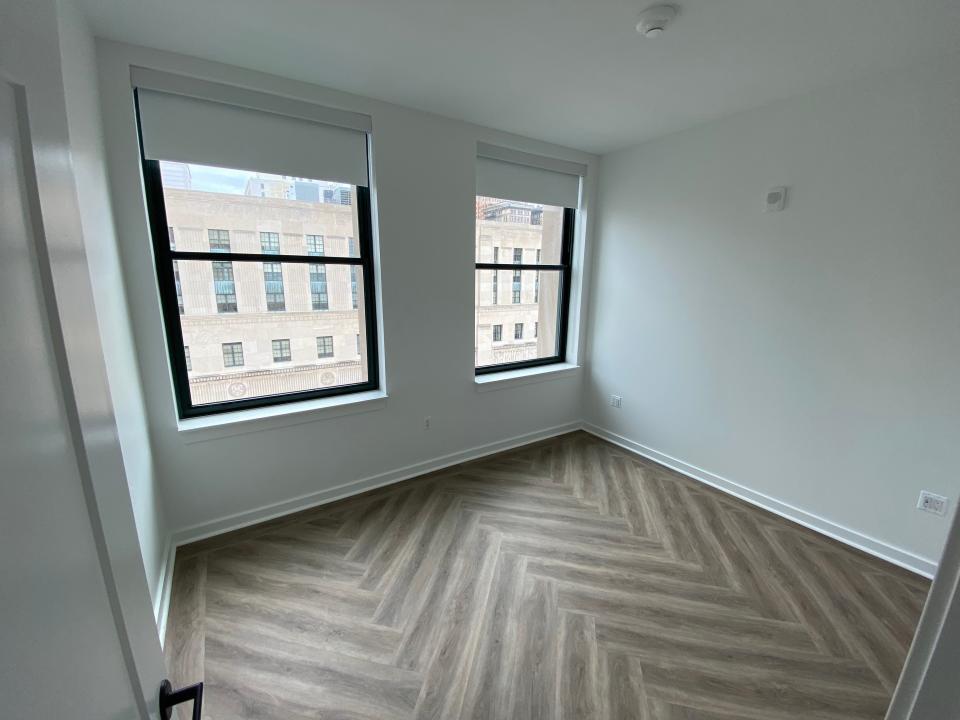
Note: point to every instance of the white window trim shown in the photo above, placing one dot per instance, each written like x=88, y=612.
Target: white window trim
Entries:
x=272, y=417
x=513, y=378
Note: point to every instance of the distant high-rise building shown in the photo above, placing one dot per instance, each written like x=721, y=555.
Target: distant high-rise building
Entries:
x=306, y=190
x=175, y=175
x=510, y=211
x=281, y=188
x=337, y=194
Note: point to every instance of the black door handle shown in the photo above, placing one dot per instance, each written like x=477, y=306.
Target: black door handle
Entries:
x=169, y=698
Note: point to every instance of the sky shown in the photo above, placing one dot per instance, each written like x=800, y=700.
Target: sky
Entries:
x=207, y=178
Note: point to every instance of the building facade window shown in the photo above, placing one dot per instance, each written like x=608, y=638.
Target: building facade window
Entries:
x=270, y=228
x=232, y=354
x=325, y=346
x=273, y=284
x=517, y=276
x=281, y=350
x=536, y=281
x=176, y=278
x=270, y=243
x=224, y=287
x=351, y=249
x=219, y=240
x=518, y=331
x=315, y=245
x=497, y=333
x=319, y=299
x=496, y=259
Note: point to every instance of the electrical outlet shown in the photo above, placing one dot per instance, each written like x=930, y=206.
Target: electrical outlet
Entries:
x=426, y=423
x=931, y=503
x=616, y=401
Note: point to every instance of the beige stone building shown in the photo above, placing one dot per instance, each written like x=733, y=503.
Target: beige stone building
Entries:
x=260, y=328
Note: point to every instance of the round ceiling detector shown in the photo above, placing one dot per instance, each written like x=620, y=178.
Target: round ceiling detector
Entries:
x=655, y=19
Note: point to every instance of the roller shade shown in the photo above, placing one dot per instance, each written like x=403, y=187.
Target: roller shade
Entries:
x=514, y=175
x=189, y=129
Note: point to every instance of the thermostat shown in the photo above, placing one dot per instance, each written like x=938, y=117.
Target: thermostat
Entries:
x=776, y=199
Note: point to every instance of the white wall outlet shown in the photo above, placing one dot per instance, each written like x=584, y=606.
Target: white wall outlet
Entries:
x=616, y=401
x=931, y=503
x=426, y=423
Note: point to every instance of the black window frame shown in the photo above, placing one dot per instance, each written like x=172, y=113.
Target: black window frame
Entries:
x=565, y=269
x=164, y=256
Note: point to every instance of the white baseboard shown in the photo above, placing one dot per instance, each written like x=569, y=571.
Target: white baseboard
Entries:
x=355, y=487
x=878, y=548
x=161, y=607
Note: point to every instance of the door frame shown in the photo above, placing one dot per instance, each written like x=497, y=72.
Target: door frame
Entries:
x=31, y=61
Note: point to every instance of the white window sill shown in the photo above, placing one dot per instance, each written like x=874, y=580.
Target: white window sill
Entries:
x=213, y=427
x=512, y=378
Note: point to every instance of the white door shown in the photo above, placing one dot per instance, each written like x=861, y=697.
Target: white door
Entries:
x=65, y=643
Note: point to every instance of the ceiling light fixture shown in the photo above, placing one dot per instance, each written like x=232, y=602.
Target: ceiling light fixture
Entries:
x=654, y=20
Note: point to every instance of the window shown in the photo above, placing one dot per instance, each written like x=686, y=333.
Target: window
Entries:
x=325, y=346
x=273, y=284
x=536, y=277
x=224, y=288
x=314, y=244
x=526, y=205
x=232, y=354
x=250, y=291
x=318, y=287
x=219, y=240
x=517, y=279
x=270, y=243
x=353, y=277
x=281, y=350
x=176, y=279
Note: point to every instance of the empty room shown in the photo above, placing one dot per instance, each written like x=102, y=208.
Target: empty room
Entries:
x=434, y=359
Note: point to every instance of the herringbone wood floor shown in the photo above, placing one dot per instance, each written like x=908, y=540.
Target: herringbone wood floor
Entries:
x=566, y=579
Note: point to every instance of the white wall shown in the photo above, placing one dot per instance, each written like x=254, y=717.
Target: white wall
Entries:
x=78, y=637
x=424, y=193
x=809, y=355
x=100, y=243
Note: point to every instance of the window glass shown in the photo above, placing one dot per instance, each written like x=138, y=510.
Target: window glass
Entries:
x=513, y=239
x=241, y=318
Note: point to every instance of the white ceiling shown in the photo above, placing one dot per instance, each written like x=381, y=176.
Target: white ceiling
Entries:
x=569, y=71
